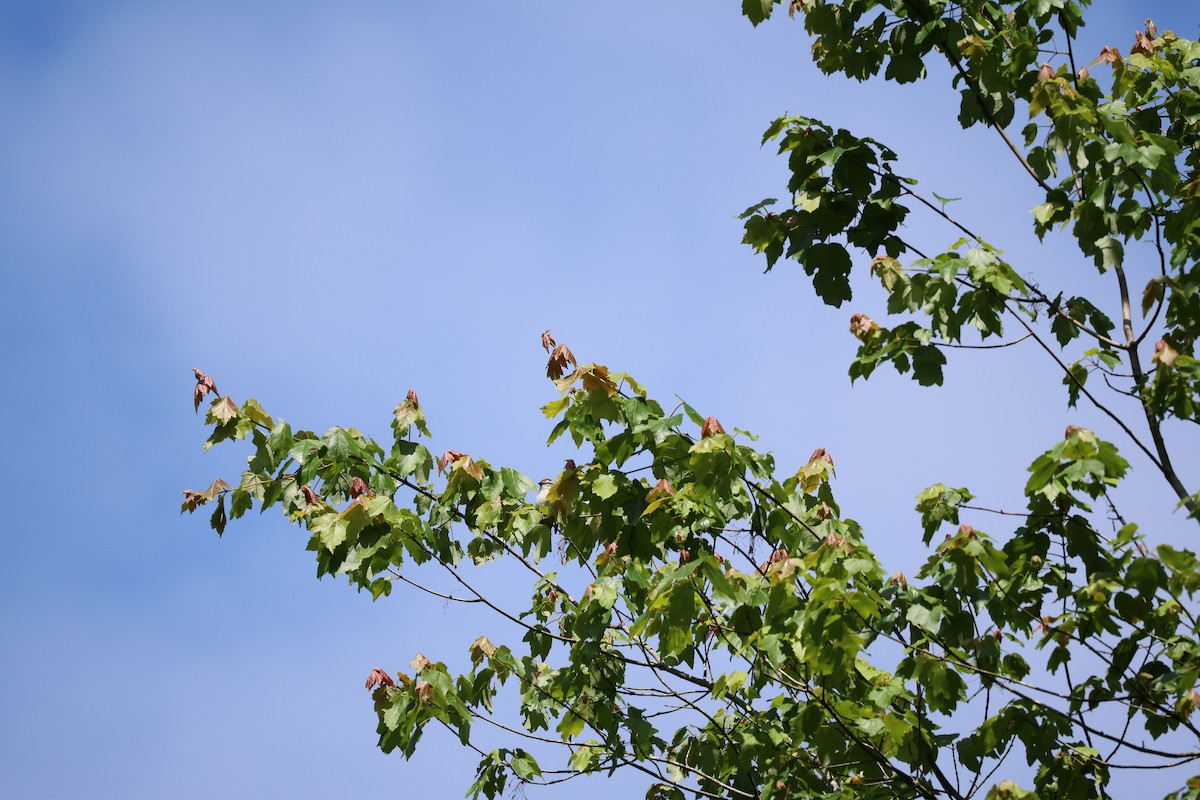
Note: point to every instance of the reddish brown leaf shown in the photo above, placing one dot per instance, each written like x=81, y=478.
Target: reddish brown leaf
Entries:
x=711, y=427
x=359, y=487
x=412, y=398
x=448, y=457
x=685, y=556
x=1151, y=29
x=204, y=385
x=192, y=500
x=1083, y=74
x=547, y=340
x=1109, y=55
x=379, y=678
x=424, y=691
x=611, y=549
x=794, y=6
x=824, y=511
x=559, y=360
x=1046, y=73
x=310, y=497
x=569, y=466
x=661, y=489
x=1164, y=354
x=821, y=454
x=1142, y=44
x=862, y=326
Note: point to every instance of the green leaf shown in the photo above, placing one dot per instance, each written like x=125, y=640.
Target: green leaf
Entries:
x=757, y=10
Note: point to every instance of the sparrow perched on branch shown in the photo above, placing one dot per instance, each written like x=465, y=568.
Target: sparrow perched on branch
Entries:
x=543, y=494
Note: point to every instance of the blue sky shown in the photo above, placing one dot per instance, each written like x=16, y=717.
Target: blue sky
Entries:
x=324, y=205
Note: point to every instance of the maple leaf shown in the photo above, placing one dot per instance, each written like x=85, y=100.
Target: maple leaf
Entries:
x=1142, y=44
x=547, y=340
x=204, y=385
x=448, y=457
x=424, y=691
x=480, y=649
x=711, y=427
x=192, y=500
x=862, y=326
x=420, y=663
x=215, y=488
x=1110, y=55
x=1164, y=354
x=559, y=359
x=821, y=454
x=1151, y=28
x=1046, y=73
x=471, y=468
x=310, y=496
x=379, y=678
x=223, y=410
x=661, y=489
x=359, y=487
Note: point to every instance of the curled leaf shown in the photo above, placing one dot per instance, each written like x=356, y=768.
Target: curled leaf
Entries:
x=359, y=487
x=711, y=426
x=420, y=663
x=1046, y=73
x=556, y=367
x=862, y=326
x=1083, y=73
x=898, y=579
x=379, y=678
x=480, y=649
x=821, y=454
x=824, y=511
x=310, y=497
x=1142, y=44
x=1164, y=355
x=219, y=518
x=1151, y=29
x=204, y=385
x=424, y=691
x=547, y=340
x=448, y=457
x=661, y=489
x=1109, y=55
x=192, y=500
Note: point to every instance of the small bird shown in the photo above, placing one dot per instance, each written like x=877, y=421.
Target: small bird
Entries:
x=543, y=492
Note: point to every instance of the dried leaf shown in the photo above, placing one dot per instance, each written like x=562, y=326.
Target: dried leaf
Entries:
x=310, y=497
x=862, y=326
x=794, y=6
x=821, y=454
x=1164, y=355
x=824, y=511
x=898, y=579
x=1045, y=73
x=1110, y=55
x=596, y=377
x=215, y=488
x=359, y=487
x=204, y=385
x=547, y=340
x=420, y=663
x=379, y=678
x=411, y=397
x=1142, y=44
x=424, y=691
x=1151, y=29
x=559, y=359
x=480, y=649
x=1083, y=73
x=192, y=500
x=711, y=427
x=1071, y=431
x=448, y=457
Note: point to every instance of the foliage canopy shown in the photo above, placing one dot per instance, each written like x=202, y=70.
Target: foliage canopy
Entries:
x=735, y=636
